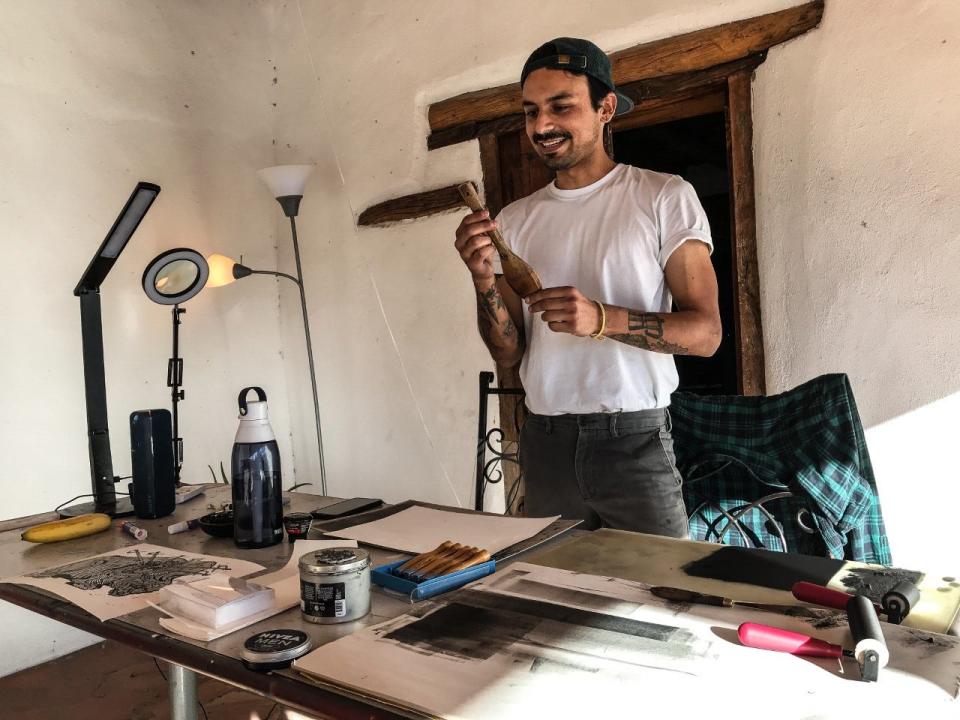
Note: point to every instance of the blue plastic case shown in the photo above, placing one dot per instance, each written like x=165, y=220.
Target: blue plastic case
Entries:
x=434, y=586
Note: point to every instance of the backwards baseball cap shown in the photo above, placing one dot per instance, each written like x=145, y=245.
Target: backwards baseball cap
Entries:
x=580, y=56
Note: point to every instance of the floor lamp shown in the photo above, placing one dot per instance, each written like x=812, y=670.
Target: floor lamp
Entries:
x=286, y=182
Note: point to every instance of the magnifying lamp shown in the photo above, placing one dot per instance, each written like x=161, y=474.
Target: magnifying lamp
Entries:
x=171, y=278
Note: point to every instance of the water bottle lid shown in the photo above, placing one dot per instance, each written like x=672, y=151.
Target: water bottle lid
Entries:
x=255, y=411
x=242, y=399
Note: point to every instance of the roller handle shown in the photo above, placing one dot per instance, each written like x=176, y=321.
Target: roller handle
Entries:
x=820, y=595
x=764, y=637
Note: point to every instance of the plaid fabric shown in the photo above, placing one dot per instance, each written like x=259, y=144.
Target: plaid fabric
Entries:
x=734, y=451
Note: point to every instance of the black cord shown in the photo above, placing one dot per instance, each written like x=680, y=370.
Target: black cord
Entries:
x=202, y=708
x=78, y=497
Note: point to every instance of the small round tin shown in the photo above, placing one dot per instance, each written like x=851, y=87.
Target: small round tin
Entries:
x=274, y=649
x=335, y=585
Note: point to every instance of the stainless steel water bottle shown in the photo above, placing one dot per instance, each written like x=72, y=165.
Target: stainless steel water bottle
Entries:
x=255, y=467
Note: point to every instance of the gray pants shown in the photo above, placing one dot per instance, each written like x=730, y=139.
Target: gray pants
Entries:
x=613, y=470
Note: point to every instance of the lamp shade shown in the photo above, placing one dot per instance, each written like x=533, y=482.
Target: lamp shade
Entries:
x=286, y=180
x=221, y=270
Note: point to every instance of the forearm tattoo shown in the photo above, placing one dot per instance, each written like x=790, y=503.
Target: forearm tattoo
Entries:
x=646, y=331
x=490, y=307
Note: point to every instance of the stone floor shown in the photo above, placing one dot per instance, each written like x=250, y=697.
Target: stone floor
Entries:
x=110, y=682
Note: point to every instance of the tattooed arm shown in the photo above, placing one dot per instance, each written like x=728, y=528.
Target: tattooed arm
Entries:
x=498, y=317
x=499, y=314
x=693, y=330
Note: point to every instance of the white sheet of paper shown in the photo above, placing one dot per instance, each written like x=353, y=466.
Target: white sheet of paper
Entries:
x=286, y=587
x=544, y=659
x=420, y=529
x=126, y=580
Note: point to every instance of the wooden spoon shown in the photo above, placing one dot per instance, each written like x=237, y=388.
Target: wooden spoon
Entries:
x=520, y=276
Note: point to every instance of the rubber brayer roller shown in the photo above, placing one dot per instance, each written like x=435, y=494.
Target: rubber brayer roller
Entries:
x=870, y=649
x=898, y=602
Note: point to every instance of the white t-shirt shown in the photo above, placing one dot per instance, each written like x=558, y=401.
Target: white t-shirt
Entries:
x=611, y=240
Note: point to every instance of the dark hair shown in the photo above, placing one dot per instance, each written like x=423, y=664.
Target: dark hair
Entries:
x=598, y=91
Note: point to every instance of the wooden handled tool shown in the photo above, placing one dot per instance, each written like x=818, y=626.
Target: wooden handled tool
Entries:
x=519, y=275
x=480, y=556
x=423, y=558
x=689, y=596
x=448, y=560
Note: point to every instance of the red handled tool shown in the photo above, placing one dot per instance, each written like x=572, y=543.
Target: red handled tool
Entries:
x=820, y=595
x=870, y=649
x=764, y=637
x=896, y=603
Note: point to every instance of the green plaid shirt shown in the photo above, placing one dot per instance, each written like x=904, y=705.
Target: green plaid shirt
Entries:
x=734, y=450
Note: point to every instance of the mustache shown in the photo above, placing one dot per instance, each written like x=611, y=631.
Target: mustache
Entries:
x=538, y=137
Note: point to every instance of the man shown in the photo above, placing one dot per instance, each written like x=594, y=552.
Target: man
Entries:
x=613, y=244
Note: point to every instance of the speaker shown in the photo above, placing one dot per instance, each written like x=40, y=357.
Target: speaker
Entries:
x=151, y=451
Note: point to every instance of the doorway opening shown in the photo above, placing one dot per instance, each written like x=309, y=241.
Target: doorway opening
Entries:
x=695, y=148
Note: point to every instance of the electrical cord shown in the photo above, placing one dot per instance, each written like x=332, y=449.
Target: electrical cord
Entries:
x=57, y=508
x=202, y=708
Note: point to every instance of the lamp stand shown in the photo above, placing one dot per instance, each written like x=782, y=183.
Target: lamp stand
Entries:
x=313, y=372
x=101, y=463
x=240, y=271
x=174, y=382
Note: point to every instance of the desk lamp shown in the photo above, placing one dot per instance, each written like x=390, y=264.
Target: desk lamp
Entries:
x=287, y=183
x=91, y=326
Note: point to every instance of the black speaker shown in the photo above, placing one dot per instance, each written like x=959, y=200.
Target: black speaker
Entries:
x=151, y=451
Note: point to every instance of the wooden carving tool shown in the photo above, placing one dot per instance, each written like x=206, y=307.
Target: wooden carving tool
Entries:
x=422, y=558
x=519, y=275
x=480, y=556
x=441, y=568
x=433, y=558
x=689, y=596
x=430, y=569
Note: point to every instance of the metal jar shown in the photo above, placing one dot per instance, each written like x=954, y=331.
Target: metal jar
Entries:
x=335, y=585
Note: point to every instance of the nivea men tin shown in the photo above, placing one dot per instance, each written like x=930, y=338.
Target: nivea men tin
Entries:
x=335, y=585
x=274, y=649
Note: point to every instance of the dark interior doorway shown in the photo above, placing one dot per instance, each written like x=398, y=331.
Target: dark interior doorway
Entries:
x=695, y=148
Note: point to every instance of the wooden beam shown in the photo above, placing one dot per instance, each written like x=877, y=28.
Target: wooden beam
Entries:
x=746, y=279
x=664, y=110
x=681, y=54
x=645, y=93
x=412, y=206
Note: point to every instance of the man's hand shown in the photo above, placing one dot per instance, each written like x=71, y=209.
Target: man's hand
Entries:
x=566, y=310
x=475, y=248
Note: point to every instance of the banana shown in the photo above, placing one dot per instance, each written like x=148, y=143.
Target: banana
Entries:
x=67, y=529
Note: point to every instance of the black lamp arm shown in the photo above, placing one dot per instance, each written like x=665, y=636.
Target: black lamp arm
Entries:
x=291, y=278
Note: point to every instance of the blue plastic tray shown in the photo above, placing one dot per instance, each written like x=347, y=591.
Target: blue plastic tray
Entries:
x=434, y=586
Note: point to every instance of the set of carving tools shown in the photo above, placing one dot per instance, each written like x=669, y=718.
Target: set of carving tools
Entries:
x=448, y=557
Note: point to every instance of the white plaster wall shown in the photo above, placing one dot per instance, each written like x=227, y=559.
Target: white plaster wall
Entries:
x=93, y=98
